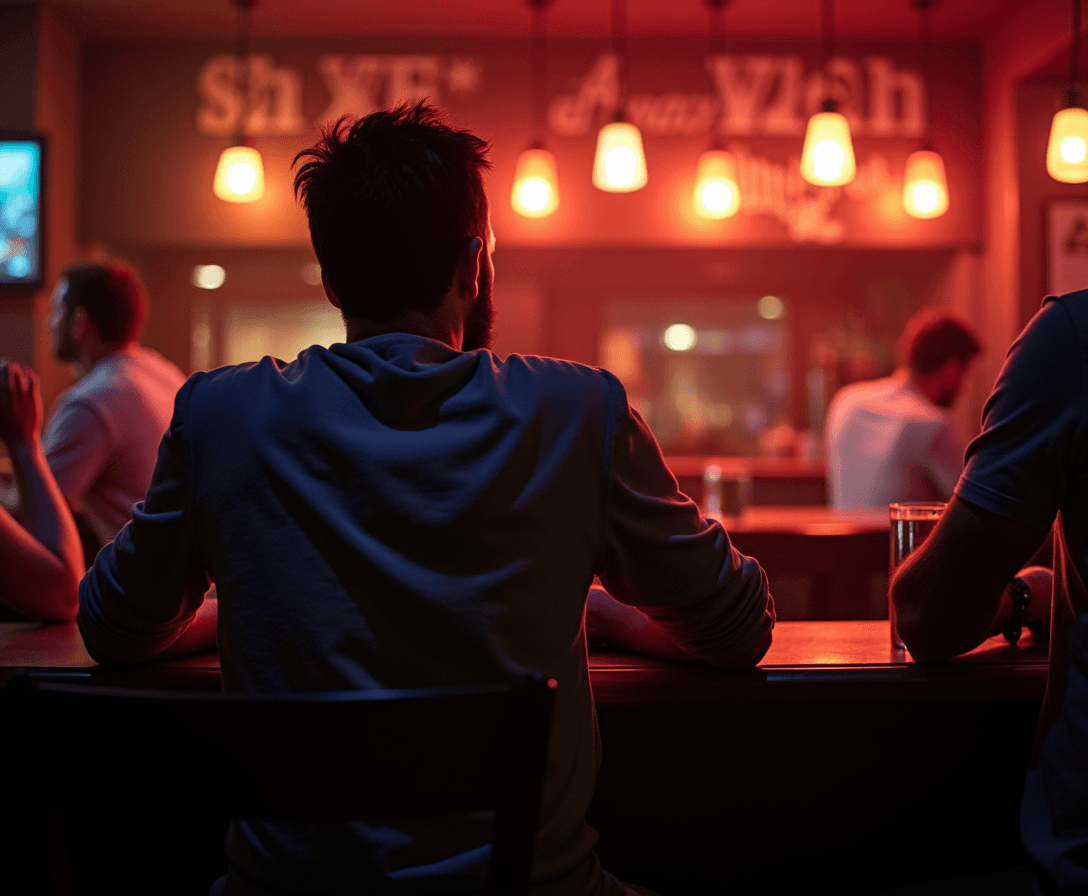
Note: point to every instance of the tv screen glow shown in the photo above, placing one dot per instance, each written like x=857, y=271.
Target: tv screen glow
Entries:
x=20, y=210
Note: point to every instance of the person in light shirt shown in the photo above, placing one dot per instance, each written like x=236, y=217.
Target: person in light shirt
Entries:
x=893, y=439
x=103, y=435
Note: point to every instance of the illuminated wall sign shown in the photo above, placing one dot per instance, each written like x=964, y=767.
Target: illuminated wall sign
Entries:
x=153, y=107
x=357, y=85
x=760, y=95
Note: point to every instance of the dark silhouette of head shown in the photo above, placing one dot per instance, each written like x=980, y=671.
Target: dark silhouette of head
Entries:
x=392, y=200
x=936, y=346
x=112, y=297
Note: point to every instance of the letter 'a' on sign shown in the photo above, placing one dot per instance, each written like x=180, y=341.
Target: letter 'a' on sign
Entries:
x=828, y=157
x=716, y=192
x=925, y=190
x=536, y=185
x=239, y=176
x=620, y=164
x=1067, y=149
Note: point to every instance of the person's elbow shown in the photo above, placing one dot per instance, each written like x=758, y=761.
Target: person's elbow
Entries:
x=926, y=641
x=59, y=598
x=751, y=657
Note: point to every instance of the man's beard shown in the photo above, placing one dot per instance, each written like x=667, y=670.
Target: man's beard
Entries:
x=480, y=323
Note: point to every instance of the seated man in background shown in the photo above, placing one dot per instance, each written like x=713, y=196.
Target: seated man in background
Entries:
x=409, y=510
x=893, y=439
x=1028, y=468
x=40, y=565
x=103, y=435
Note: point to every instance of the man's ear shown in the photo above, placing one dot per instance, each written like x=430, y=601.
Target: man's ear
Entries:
x=468, y=269
x=329, y=294
x=78, y=322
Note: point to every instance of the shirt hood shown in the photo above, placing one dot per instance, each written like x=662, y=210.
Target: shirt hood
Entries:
x=404, y=380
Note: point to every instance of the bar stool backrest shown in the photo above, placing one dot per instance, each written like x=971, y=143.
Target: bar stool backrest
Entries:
x=301, y=757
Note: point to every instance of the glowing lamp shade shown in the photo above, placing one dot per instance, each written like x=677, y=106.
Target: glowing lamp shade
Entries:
x=828, y=157
x=240, y=175
x=716, y=192
x=925, y=190
x=620, y=163
x=536, y=186
x=1067, y=151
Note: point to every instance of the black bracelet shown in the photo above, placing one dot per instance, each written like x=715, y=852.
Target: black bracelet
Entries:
x=1021, y=597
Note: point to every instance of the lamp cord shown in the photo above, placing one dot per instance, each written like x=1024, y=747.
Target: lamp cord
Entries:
x=1074, y=54
x=716, y=46
x=925, y=54
x=827, y=39
x=539, y=71
x=243, y=44
x=619, y=47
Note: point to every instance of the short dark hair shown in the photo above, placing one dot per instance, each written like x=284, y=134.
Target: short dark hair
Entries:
x=113, y=296
x=391, y=200
x=933, y=337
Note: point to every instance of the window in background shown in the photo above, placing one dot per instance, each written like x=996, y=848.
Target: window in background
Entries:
x=710, y=376
x=281, y=330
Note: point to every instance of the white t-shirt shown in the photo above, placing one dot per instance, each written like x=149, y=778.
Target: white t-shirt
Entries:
x=887, y=442
x=103, y=436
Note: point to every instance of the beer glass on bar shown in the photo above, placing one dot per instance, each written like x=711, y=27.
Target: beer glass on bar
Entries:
x=911, y=523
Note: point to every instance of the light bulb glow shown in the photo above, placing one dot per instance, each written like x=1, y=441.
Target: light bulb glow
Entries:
x=925, y=188
x=619, y=165
x=716, y=192
x=1073, y=150
x=1067, y=149
x=239, y=176
x=209, y=276
x=536, y=187
x=827, y=159
x=679, y=337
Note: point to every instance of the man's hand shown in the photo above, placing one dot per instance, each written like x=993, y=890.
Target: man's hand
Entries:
x=20, y=405
x=948, y=593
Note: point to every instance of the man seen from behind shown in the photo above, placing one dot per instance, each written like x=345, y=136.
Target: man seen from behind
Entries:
x=407, y=509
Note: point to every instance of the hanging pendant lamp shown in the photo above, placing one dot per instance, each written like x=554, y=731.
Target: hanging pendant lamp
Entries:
x=536, y=183
x=827, y=159
x=716, y=193
x=239, y=176
x=619, y=165
x=1067, y=148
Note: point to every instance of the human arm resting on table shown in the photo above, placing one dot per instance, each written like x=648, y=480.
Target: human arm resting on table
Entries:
x=696, y=597
x=623, y=626
x=40, y=564
x=949, y=592
x=1018, y=476
x=143, y=597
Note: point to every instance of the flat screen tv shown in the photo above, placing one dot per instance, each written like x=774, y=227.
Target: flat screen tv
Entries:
x=21, y=179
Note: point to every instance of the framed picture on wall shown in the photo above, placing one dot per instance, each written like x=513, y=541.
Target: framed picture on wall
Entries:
x=1067, y=246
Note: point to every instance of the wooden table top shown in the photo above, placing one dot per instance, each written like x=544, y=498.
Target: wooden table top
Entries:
x=852, y=657
x=806, y=519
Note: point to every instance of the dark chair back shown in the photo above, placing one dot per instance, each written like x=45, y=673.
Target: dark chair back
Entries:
x=312, y=757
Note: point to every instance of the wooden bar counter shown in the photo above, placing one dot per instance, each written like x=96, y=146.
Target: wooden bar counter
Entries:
x=835, y=764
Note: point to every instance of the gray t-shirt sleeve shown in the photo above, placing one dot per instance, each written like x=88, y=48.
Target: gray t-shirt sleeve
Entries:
x=77, y=447
x=1019, y=466
x=662, y=557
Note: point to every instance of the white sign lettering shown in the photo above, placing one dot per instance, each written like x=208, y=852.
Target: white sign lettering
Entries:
x=807, y=212
x=275, y=99
x=357, y=86
x=758, y=95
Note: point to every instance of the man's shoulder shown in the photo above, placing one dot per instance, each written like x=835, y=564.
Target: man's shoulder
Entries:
x=566, y=380
x=865, y=392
